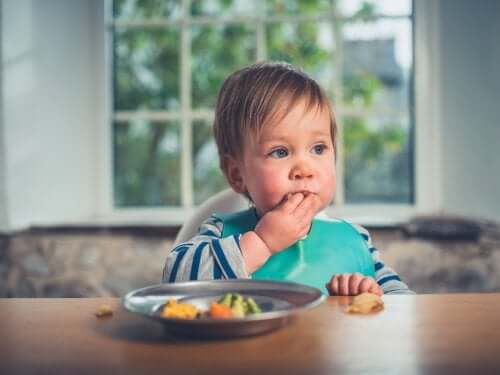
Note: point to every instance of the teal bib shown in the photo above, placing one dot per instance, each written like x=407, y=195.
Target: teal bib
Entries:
x=331, y=247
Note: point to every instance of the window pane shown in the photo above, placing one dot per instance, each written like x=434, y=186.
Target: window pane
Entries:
x=208, y=179
x=365, y=8
x=297, y=7
x=377, y=64
x=305, y=45
x=146, y=70
x=146, y=9
x=377, y=155
x=146, y=164
x=376, y=75
x=218, y=51
x=377, y=89
x=221, y=8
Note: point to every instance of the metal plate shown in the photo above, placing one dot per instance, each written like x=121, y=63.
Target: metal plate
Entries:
x=278, y=300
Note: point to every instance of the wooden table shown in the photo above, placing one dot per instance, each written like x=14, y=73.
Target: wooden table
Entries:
x=414, y=334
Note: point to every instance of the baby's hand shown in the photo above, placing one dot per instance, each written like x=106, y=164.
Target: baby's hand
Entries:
x=352, y=285
x=288, y=222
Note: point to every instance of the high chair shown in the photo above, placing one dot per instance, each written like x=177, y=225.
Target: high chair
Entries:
x=223, y=202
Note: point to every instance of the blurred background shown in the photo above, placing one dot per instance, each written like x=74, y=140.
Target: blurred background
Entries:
x=106, y=145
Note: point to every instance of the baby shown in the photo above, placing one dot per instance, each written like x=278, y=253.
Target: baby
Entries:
x=275, y=132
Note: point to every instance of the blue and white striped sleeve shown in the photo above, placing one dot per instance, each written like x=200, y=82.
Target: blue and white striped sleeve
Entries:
x=386, y=277
x=206, y=256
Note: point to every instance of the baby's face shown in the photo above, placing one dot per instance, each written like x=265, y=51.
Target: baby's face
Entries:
x=293, y=155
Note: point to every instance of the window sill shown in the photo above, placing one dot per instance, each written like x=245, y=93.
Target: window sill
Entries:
x=166, y=222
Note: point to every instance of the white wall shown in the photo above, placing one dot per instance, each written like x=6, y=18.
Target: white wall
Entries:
x=470, y=132
x=50, y=108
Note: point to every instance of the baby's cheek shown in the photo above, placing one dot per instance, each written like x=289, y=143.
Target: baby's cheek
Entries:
x=327, y=192
x=327, y=195
x=272, y=188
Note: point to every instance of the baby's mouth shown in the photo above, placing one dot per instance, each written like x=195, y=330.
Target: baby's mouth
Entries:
x=305, y=193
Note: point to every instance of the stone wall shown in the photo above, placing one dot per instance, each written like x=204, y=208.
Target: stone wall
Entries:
x=52, y=263
x=444, y=265
x=79, y=265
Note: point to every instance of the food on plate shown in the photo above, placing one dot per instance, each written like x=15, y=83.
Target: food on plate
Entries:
x=220, y=311
x=365, y=303
x=231, y=305
x=104, y=310
x=174, y=309
x=240, y=306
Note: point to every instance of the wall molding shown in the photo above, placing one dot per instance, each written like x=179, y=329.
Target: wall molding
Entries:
x=4, y=218
x=428, y=116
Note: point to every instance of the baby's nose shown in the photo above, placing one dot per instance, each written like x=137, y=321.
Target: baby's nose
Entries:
x=301, y=170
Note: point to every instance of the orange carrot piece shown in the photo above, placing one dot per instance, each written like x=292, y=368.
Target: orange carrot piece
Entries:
x=220, y=311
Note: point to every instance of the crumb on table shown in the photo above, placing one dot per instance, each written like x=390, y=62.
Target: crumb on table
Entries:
x=104, y=310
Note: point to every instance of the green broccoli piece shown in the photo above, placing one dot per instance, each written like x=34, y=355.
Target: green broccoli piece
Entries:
x=226, y=300
x=253, y=308
x=240, y=307
x=237, y=310
x=237, y=299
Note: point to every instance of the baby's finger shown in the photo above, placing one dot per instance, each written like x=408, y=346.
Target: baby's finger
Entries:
x=333, y=286
x=307, y=208
x=354, y=282
x=376, y=289
x=306, y=228
x=291, y=202
x=344, y=284
x=365, y=285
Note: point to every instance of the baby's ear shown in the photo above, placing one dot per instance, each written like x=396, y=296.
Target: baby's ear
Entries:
x=233, y=173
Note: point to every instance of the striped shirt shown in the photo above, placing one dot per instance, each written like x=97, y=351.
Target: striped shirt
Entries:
x=208, y=256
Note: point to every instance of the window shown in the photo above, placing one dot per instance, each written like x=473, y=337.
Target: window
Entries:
x=170, y=58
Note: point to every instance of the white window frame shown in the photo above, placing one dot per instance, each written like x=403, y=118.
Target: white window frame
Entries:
x=427, y=131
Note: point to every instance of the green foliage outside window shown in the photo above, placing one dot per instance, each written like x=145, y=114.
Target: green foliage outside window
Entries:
x=377, y=149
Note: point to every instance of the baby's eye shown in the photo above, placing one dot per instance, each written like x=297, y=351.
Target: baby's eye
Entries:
x=279, y=153
x=318, y=149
